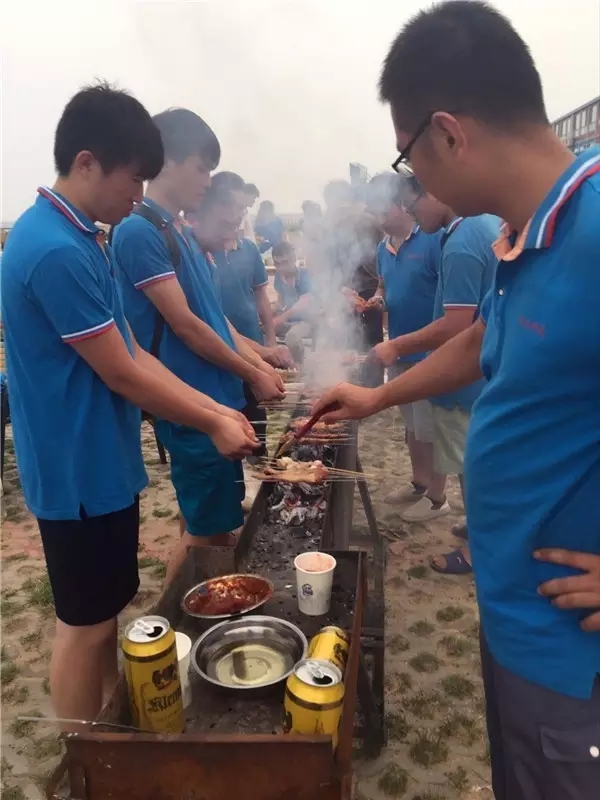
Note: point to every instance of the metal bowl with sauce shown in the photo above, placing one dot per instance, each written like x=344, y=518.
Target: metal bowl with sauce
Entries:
x=249, y=653
x=227, y=596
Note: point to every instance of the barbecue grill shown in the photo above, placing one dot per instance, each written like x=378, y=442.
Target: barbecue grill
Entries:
x=234, y=745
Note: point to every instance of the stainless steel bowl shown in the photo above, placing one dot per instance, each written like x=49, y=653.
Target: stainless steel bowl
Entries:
x=254, y=583
x=249, y=653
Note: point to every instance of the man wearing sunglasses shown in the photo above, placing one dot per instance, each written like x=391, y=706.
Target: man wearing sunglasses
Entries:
x=473, y=123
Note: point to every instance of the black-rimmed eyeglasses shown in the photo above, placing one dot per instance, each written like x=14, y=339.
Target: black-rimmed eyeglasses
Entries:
x=404, y=156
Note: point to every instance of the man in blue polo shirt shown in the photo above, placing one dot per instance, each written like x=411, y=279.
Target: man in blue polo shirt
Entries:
x=532, y=464
x=76, y=377
x=408, y=264
x=466, y=268
x=241, y=280
x=197, y=343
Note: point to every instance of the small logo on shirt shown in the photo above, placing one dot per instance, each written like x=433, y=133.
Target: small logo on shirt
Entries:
x=536, y=327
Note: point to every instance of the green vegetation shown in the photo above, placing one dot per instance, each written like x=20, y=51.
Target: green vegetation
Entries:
x=462, y=726
x=32, y=640
x=8, y=672
x=424, y=705
x=458, y=687
x=456, y=646
x=398, y=644
x=397, y=725
x=419, y=571
x=162, y=512
x=422, y=628
x=393, y=781
x=428, y=749
x=425, y=662
x=450, y=613
x=39, y=593
x=457, y=778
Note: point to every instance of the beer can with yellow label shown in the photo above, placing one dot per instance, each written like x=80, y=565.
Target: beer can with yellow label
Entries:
x=330, y=644
x=314, y=697
x=152, y=673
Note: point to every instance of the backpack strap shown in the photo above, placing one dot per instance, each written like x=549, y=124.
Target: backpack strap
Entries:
x=166, y=229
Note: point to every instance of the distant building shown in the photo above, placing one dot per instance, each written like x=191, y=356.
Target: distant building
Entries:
x=580, y=129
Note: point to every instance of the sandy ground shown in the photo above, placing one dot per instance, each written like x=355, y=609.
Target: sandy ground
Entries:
x=437, y=745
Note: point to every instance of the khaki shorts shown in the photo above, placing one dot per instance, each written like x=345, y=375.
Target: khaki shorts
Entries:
x=450, y=428
x=418, y=416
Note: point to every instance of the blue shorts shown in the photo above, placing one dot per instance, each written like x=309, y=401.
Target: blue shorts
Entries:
x=209, y=488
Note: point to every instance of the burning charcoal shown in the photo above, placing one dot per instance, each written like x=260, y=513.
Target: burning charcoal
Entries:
x=304, y=534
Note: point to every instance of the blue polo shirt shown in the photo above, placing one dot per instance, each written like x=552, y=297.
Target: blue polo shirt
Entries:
x=271, y=233
x=143, y=259
x=289, y=294
x=532, y=463
x=467, y=267
x=410, y=277
x=239, y=272
x=77, y=443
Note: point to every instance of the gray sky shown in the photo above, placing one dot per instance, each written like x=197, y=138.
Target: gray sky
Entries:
x=288, y=85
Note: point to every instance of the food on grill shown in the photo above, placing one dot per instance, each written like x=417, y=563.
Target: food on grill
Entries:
x=320, y=427
x=232, y=594
x=290, y=471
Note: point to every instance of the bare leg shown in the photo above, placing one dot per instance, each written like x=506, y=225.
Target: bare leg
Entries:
x=79, y=669
x=110, y=676
x=441, y=561
x=186, y=541
x=421, y=459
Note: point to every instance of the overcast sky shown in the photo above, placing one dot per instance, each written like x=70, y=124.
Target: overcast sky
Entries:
x=288, y=85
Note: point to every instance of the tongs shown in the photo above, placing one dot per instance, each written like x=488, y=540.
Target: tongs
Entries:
x=286, y=444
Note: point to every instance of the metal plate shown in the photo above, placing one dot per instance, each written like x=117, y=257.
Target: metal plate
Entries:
x=253, y=585
x=249, y=653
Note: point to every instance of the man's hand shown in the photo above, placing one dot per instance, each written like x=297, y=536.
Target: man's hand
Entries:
x=354, y=401
x=232, y=438
x=267, y=384
x=576, y=591
x=231, y=413
x=385, y=352
x=279, y=356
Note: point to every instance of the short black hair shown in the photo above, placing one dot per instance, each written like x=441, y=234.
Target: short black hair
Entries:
x=113, y=126
x=228, y=181
x=252, y=188
x=185, y=134
x=282, y=249
x=462, y=56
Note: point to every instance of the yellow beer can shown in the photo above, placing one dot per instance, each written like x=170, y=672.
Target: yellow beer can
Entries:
x=152, y=673
x=314, y=697
x=330, y=644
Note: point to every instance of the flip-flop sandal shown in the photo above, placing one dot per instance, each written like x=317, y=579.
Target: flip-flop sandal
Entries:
x=456, y=564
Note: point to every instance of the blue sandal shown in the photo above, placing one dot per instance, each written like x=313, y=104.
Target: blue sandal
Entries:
x=456, y=564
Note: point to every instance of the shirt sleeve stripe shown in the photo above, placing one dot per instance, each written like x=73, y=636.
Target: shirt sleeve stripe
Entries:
x=154, y=279
x=78, y=336
x=258, y=285
x=460, y=305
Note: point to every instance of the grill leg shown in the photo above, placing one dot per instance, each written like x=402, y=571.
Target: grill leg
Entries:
x=162, y=455
x=374, y=735
x=367, y=504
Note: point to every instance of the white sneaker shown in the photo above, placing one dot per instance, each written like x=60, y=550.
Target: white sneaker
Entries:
x=424, y=510
x=404, y=494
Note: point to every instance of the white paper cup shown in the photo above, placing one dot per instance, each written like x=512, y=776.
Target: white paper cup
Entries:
x=314, y=575
x=183, y=644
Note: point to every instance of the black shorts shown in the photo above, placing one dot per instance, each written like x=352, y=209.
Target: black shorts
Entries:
x=92, y=564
